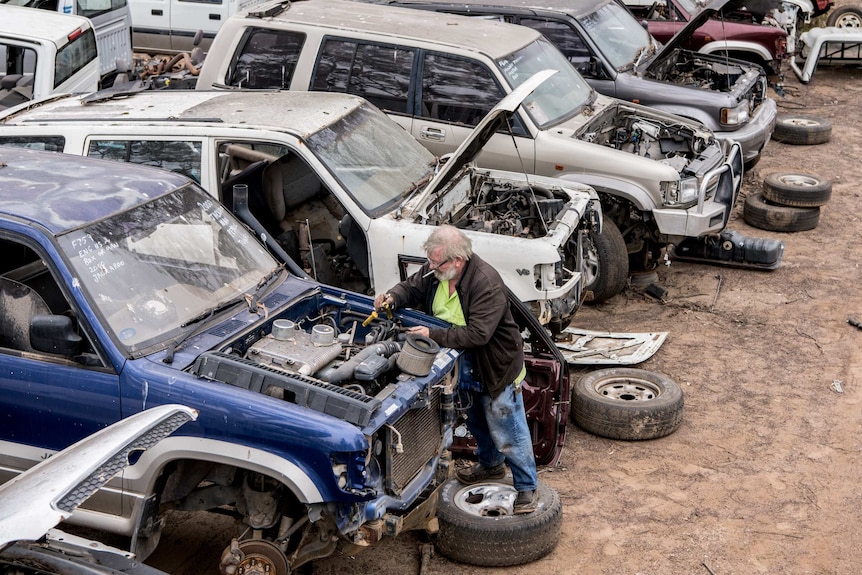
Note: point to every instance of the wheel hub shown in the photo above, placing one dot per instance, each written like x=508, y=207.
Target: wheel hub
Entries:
x=628, y=389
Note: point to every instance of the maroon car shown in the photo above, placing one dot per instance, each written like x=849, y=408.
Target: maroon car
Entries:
x=728, y=31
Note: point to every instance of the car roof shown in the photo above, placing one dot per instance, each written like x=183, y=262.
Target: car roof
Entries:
x=401, y=23
x=33, y=23
x=62, y=192
x=575, y=8
x=299, y=113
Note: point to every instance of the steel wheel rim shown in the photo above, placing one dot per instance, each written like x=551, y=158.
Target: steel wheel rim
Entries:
x=848, y=21
x=799, y=180
x=628, y=389
x=486, y=499
x=803, y=122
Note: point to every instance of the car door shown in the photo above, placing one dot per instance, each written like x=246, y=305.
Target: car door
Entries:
x=47, y=400
x=189, y=16
x=454, y=93
x=151, y=25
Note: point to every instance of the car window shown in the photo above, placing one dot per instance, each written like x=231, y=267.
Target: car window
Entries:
x=618, y=34
x=28, y=289
x=565, y=38
x=457, y=90
x=177, y=156
x=44, y=143
x=266, y=59
x=76, y=54
x=377, y=72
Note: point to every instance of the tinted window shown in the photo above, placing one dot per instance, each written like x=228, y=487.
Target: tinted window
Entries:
x=93, y=8
x=74, y=56
x=45, y=143
x=563, y=37
x=457, y=90
x=183, y=157
x=266, y=60
x=378, y=73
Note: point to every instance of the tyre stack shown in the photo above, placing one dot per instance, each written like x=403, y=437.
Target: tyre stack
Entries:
x=791, y=201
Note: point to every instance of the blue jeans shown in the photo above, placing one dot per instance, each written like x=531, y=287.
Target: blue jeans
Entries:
x=500, y=429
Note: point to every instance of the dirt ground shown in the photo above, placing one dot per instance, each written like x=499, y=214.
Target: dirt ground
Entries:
x=763, y=475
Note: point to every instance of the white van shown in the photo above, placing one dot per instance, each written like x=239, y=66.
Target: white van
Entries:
x=112, y=21
x=169, y=26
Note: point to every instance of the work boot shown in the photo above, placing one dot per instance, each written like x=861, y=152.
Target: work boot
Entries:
x=525, y=502
x=477, y=473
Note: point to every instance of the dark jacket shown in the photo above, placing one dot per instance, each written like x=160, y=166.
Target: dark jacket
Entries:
x=491, y=332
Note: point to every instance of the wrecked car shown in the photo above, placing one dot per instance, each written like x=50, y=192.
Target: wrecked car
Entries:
x=610, y=48
x=36, y=501
x=321, y=428
x=337, y=185
x=661, y=178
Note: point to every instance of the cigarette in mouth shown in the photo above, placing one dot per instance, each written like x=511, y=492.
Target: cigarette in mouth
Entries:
x=428, y=274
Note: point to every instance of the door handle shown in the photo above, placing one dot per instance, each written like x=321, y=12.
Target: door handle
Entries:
x=156, y=12
x=436, y=134
x=215, y=16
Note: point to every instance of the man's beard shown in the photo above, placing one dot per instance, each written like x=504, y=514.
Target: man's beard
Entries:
x=443, y=276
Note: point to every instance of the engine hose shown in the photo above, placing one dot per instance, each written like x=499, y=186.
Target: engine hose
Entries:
x=345, y=371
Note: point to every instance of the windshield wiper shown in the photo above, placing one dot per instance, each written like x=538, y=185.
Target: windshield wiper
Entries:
x=252, y=300
x=416, y=187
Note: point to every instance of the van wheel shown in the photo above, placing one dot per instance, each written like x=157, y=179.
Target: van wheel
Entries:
x=802, y=130
x=606, y=263
x=477, y=525
x=796, y=189
x=760, y=213
x=627, y=403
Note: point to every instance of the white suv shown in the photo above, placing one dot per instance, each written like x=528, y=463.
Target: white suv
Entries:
x=661, y=178
x=338, y=186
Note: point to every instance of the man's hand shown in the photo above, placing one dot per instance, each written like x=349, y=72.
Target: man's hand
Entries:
x=419, y=330
x=384, y=300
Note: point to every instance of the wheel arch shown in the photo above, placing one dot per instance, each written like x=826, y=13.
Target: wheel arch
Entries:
x=731, y=47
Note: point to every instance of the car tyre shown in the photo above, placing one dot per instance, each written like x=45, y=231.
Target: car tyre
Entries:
x=845, y=17
x=802, y=130
x=796, y=189
x=627, y=403
x=760, y=213
x=477, y=525
x=606, y=263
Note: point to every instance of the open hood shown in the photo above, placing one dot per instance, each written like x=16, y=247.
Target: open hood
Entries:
x=490, y=124
x=698, y=19
x=46, y=494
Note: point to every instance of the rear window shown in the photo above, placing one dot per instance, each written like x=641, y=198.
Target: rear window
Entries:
x=72, y=57
x=266, y=59
x=93, y=8
x=183, y=157
x=44, y=143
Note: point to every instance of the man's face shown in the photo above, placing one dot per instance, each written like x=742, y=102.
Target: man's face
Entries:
x=443, y=268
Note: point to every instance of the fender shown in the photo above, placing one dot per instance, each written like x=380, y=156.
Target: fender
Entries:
x=720, y=46
x=636, y=195
x=138, y=481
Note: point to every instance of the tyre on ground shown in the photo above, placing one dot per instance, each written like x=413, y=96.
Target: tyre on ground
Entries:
x=627, y=403
x=477, y=525
x=796, y=189
x=606, y=263
x=760, y=213
x=845, y=17
x=802, y=130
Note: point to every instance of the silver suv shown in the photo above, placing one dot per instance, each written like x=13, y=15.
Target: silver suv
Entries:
x=661, y=178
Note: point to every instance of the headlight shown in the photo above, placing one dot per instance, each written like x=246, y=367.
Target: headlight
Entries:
x=736, y=116
x=684, y=191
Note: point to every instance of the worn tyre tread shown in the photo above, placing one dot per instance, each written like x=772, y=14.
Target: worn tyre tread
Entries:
x=802, y=130
x=613, y=263
x=627, y=420
x=796, y=189
x=498, y=541
x=758, y=212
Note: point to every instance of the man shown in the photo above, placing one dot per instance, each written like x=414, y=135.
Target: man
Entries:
x=460, y=287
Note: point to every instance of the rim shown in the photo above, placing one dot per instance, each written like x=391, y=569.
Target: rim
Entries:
x=799, y=180
x=802, y=122
x=628, y=389
x=486, y=499
x=590, y=263
x=849, y=21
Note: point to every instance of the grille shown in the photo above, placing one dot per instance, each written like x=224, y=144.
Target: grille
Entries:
x=421, y=435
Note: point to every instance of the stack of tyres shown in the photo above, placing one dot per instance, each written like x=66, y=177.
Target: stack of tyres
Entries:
x=789, y=202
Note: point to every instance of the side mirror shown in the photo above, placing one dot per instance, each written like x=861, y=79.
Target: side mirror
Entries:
x=54, y=334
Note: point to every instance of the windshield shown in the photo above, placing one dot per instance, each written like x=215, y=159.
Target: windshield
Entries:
x=558, y=98
x=150, y=269
x=617, y=33
x=374, y=158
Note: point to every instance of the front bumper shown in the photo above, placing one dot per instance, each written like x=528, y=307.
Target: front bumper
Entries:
x=708, y=216
x=754, y=136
